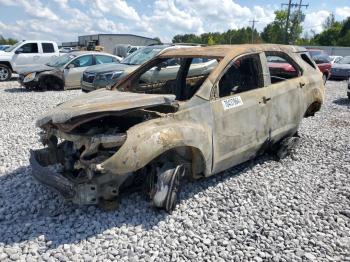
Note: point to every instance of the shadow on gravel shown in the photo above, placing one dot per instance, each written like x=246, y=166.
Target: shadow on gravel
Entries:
x=342, y=101
x=16, y=90
x=29, y=210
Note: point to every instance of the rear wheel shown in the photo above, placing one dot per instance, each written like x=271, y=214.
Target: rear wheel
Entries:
x=5, y=73
x=285, y=146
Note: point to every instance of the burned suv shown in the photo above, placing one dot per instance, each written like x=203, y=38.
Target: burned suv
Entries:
x=151, y=135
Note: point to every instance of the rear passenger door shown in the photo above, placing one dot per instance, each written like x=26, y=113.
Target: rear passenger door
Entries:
x=285, y=89
x=48, y=52
x=74, y=71
x=105, y=59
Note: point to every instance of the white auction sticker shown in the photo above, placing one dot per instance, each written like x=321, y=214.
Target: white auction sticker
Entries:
x=232, y=102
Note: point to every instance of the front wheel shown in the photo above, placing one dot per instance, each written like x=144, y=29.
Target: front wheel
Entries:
x=167, y=187
x=5, y=73
x=324, y=78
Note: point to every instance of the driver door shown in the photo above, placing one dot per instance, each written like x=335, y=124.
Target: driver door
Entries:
x=74, y=71
x=28, y=56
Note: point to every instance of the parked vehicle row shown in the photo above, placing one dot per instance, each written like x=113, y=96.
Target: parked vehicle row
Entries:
x=63, y=72
x=100, y=76
x=26, y=53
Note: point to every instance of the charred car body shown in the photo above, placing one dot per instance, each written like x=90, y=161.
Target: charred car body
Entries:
x=151, y=135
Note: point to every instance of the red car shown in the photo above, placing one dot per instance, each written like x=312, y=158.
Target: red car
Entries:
x=323, y=62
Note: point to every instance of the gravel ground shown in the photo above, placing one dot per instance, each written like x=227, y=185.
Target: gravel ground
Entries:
x=294, y=210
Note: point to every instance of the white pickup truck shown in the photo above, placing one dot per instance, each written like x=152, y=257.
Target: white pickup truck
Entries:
x=24, y=53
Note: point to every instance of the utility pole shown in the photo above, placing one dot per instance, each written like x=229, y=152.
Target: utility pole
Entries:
x=253, y=27
x=290, y=5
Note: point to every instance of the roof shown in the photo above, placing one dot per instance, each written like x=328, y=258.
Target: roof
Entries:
x=119, y=35
x=77, y=53
x=223, y=50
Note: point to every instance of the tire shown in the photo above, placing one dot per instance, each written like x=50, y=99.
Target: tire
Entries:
x=168, y=187
x=48, y=83
x=285, y=146
x=5, y=73
x=324, y=77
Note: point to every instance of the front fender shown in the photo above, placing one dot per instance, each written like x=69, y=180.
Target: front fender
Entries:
x=150, y=139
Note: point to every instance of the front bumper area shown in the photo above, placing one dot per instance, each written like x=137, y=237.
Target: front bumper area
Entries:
x=51, y=179
x=79, y=192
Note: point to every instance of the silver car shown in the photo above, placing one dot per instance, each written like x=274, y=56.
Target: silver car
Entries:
x=63, y=72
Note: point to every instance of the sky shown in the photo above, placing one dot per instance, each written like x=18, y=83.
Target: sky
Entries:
x=65, y=20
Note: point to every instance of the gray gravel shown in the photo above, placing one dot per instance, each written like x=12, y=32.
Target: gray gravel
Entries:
x=294, y=210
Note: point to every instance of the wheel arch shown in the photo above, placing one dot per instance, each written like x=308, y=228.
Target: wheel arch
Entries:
x=144, y=144
x=7, y=63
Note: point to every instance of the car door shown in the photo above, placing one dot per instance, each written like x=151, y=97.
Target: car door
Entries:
x=48, y=52
x=27, y=54
x=168, y=71
x=104, y=59
x=241, y=113
x=285, y=90
x=74, y=70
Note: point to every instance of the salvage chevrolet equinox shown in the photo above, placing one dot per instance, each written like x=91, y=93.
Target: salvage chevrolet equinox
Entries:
x=149, y=134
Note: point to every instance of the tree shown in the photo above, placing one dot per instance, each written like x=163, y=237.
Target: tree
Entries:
x=275, y=31
x=330, y=36
x=329, y=22
x=345, y=28
x=211, y=40
x=158, y=40
x=9, y=41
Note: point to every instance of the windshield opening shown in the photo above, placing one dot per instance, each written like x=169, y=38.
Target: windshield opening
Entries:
x=141, y=56
x=61, y=60
x=11, y=48
x=344, y=60
x=179, y=76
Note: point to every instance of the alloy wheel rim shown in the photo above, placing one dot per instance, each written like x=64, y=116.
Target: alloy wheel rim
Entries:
x=3, y=73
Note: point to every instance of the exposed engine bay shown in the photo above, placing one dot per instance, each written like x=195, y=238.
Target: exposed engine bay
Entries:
x=77, y=150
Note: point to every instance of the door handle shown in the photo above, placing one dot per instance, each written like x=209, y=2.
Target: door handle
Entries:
x=266, y=99
x=36, y=57
x=301, y=84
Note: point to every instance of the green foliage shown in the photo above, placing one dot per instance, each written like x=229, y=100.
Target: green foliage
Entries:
x=211, y=40
x=239, y=36
x=158, y=40
x=275, y=31
x=8, y=41
x=345, y=40
x=330, y=20
x=345, y=28
x=329, y=36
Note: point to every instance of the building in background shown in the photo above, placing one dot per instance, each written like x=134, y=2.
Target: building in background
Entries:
x=109, y=42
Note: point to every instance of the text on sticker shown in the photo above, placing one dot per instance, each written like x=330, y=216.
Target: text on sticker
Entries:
x=232, y=102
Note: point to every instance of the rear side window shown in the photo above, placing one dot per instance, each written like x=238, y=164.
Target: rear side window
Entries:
x=103, y=59
x=29, y=48
x=48, y=48
x=281, y=67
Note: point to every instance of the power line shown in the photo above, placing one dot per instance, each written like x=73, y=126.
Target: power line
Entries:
x=292, y=5
x=253, y=26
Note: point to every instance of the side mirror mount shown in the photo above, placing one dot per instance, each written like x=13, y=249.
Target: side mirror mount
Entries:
x=161, y=65
x=19, y=50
